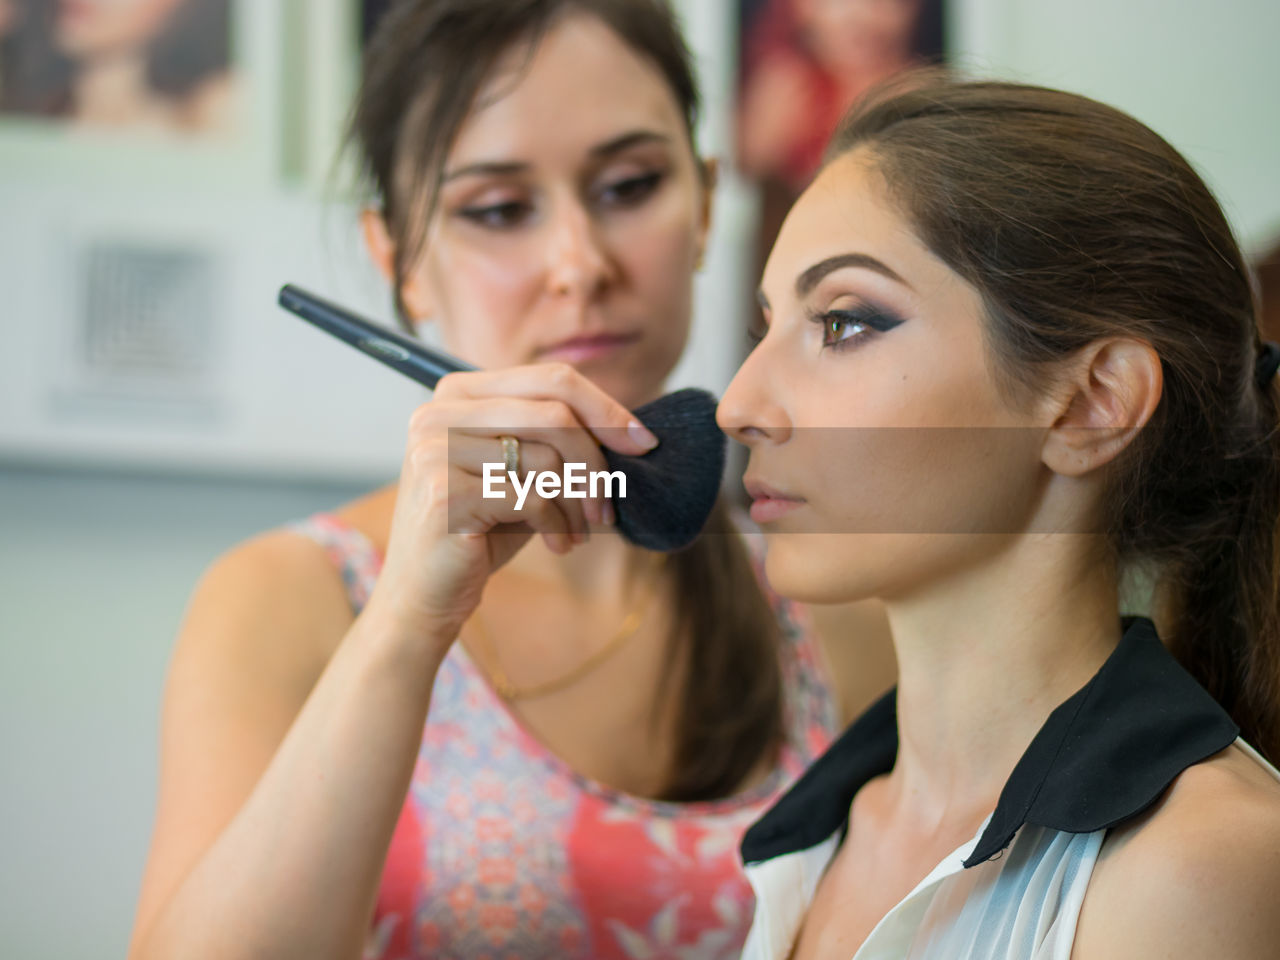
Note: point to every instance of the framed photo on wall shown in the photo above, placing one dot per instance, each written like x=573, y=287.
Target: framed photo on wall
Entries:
x=126, y=65
x=152, y=91
x=802, y=64
x=148, y=222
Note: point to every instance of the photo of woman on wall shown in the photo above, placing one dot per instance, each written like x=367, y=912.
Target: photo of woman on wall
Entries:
x=803, y=63
x=132, y=65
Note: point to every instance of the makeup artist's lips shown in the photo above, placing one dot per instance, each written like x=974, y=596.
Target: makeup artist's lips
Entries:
x=768, y=503
x=581, y=349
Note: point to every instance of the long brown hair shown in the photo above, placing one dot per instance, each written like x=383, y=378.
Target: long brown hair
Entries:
x=423, y=67
x=1075, y=222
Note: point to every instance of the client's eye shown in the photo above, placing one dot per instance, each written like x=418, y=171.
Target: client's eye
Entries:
x=842, y=329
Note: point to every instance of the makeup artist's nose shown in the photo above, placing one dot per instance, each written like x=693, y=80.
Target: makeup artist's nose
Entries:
x=579, y=264
x=750, y=410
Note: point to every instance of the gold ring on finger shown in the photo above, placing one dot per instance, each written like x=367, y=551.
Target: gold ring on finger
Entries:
x=511, y=454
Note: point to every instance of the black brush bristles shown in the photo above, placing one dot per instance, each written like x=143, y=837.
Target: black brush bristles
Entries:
x=672, y=489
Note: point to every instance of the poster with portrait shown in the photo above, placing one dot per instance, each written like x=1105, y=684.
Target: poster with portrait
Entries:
x=144, y=93
x=161, y=66
x=802, y=64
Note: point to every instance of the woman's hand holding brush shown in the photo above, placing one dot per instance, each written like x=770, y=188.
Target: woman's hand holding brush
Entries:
x=447, y=538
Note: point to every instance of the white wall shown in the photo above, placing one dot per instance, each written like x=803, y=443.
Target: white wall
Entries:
x=1202, y=73
x=94, y=573
x=95, y=567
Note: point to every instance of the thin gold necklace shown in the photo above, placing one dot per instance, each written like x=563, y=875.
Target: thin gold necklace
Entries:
x=509, y=691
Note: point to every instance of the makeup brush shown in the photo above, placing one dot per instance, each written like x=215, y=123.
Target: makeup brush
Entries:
x=670, y=490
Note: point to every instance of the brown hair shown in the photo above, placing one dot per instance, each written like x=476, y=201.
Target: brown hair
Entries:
x=423, y=67
x=1075, y=222
x=1268, y=270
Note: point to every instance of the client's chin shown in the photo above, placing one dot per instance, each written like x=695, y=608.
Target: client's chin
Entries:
x=818, y=567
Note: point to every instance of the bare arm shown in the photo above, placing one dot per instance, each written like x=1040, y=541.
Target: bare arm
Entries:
x=285, y=761
x=281, y=781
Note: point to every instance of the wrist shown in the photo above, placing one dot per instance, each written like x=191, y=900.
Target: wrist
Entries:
x=413, y=640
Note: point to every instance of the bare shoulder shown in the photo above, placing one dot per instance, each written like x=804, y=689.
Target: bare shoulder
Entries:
x=274, y=599
x=371, y=516
x=1197, y=875
x=277, y=601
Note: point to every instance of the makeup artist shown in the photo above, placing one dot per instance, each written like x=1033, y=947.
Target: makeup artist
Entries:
x=383, y=739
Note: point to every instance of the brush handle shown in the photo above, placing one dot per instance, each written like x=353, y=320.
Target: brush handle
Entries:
x=397, y=351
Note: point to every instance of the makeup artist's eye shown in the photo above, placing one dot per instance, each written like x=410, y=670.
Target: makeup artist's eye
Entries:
x=843, y=329
x=498, y=216
x=630, y=191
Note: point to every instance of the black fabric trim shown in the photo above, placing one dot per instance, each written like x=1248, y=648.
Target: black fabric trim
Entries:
x=818, y=803
x=1110, y=751
x=1103, y=756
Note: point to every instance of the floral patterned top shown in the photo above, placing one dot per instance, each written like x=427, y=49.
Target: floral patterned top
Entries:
x=502, y=851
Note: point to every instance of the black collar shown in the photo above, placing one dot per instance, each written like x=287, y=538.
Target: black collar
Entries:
x=1102, y=757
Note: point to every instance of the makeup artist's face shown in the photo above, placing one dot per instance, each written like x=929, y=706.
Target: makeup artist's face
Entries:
x=571, y=217
x=868, y=406
x=94, y=27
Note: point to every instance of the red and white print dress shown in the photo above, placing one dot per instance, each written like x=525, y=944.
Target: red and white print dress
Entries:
x=502, y=851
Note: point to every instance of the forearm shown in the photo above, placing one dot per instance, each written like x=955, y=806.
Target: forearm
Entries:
x=295, y=872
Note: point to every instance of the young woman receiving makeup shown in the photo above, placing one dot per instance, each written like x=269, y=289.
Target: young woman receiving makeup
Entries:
x=573, y=776
x=1012, y=364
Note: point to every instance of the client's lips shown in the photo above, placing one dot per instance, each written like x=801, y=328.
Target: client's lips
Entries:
x=769, y=503
x=588, y=347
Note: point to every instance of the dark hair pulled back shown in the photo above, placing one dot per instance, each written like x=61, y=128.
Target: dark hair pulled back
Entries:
x=1076, y=222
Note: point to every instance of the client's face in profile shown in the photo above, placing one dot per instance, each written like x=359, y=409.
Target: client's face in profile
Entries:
x=877, y=437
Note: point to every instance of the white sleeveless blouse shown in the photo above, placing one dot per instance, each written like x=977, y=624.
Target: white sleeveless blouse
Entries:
x=1013, y=891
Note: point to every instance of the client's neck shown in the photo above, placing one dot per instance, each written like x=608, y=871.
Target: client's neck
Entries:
x=984, y=658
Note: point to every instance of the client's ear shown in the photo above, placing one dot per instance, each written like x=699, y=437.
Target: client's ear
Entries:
x=1108, y=394
x=382, y=251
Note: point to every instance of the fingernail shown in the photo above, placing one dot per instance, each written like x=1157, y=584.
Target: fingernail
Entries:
x=608, y=514
x=641, y=435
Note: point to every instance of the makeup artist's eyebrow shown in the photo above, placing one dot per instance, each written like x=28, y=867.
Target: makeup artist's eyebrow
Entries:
x=498, y=168
x=813, y=276
x=491, y=168
x=635, y=137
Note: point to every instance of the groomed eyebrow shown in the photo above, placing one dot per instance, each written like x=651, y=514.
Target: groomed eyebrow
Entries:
x=627, y=140
x=813, y=276
x=490, y=168
x=601, y=151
